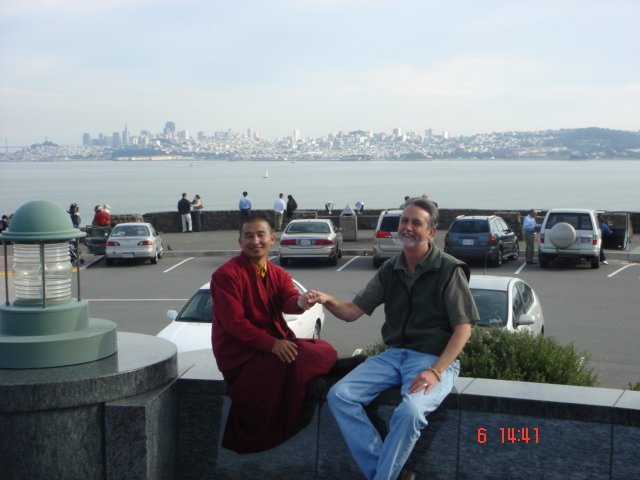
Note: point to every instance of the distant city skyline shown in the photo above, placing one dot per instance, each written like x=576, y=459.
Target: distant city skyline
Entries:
x=308, y=68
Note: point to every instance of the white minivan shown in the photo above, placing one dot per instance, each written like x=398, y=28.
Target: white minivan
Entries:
x=570, y=233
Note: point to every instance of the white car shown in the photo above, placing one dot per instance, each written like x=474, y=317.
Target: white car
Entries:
x=134, y=240
x=191, y=328
x=508, y=303
x=311, y=238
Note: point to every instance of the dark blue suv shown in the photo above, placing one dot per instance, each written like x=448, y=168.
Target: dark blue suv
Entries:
x=483, y=238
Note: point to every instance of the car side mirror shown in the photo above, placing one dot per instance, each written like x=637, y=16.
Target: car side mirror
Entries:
x=340, y=229
x=172, y=314
x=526, y=320
x=159, y=233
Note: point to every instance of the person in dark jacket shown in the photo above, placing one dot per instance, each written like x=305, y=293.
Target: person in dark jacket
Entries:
x=292, y=206
x=604, y=228
x=184, y=209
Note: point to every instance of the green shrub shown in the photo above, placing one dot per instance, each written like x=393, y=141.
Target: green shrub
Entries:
x=635, y=388
x=496, y=354
x=523, y=357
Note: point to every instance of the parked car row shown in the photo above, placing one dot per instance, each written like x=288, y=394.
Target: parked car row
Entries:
x=564, y=234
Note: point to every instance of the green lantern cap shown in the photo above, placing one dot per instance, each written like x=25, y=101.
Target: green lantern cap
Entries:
x=41, y=220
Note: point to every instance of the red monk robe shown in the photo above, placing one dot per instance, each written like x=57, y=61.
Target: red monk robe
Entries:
x=266, y=393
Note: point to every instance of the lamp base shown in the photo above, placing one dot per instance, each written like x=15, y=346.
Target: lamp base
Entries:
x=98, y=340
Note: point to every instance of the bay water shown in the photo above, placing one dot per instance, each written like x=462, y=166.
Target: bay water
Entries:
x=156, y=186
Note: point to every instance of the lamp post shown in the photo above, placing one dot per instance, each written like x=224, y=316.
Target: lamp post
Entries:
x=46, y=326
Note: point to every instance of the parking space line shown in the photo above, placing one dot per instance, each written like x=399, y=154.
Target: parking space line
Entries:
x=620, y=269
x=520, y=269
x=175, y=266
x=345, y=265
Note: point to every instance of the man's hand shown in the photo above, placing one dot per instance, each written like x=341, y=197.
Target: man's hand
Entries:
x=285, y=350
x=316, y=296
x=347, y=311
x=424, y=381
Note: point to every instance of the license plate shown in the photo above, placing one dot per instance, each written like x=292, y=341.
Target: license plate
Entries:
x=128, y=255
x=306, y=242
x=468, y=241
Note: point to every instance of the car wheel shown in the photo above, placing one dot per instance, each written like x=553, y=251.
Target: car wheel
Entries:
x=284, y=262
x=109, y=261
x=161, y=254
x=544, y=260
x=516, y=251
x=316, y=331
x=595, y=261
x=377, y=262
x=340, y=253
x=497, y=262
x=154, y=260
x=333, y=261
x=562, y=235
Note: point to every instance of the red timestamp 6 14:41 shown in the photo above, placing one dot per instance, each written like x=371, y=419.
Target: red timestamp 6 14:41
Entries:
x=513, y=435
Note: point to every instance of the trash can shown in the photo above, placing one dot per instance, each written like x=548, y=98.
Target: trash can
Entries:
x=349, y=222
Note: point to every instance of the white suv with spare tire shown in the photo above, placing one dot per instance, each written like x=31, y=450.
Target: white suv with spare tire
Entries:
x=570, y=233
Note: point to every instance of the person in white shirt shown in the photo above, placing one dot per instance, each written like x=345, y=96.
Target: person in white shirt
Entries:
x=278, y=209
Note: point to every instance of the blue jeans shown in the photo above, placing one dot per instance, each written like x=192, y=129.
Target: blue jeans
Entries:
x=396, y=367
x=195, y=216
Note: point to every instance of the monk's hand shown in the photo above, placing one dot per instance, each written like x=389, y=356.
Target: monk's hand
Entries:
x=285, y=350
x=302, y=302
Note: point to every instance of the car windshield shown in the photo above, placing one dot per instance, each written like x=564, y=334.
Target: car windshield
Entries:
x=492, y=307
x=198, y=309
x=130, y=231
x=307, y=227
x=470, y=226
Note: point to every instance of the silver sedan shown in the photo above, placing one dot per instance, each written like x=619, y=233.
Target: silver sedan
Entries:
x=311, y=238
x=507, y=302
x=134, y=240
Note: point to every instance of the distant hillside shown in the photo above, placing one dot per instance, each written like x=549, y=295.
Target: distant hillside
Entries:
x=589, y=141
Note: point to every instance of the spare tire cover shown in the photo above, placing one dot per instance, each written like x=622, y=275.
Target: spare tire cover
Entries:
x=562, y=235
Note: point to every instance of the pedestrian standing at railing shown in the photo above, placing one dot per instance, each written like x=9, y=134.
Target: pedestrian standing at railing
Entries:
x=530, y=226
x=196, y=208
x=184, y=209
x=278, y=210
x=74, y=212
x=292, y=206
x=245, y=206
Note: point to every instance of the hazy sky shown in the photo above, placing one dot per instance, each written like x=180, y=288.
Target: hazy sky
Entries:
x=320, y=66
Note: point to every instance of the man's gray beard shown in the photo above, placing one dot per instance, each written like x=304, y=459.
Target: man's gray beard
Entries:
x=411, y=242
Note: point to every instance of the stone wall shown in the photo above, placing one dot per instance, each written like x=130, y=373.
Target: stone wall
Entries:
x=574, y=432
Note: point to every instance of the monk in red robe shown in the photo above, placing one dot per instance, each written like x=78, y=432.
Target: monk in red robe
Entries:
x=266, y=367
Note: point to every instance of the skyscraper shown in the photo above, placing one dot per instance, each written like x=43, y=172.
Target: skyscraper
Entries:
x=125, y=135
x=169, y=129
x=86, y=139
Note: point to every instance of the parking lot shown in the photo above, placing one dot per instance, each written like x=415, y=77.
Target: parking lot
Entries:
x=595, y=309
